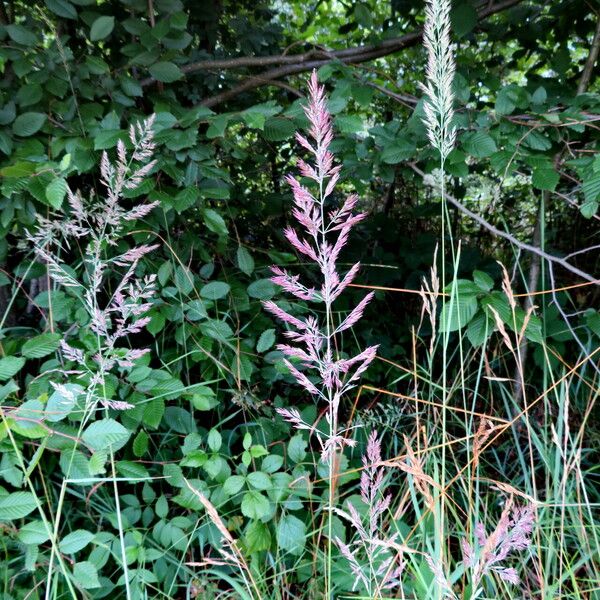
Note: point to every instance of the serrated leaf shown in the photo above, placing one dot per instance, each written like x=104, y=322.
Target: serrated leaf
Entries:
x=33, y=533
x=255, y=505
x=21, y=35
x=106, y=434
x=86, y=575
x=56, y=191
x=262, y=289
x=278, y=129
x=101, y=28
x=62, y=8
x=9, y=366
x=16, y=506
x=266, y=340
x=75, y=541
x=233, y=484
x=62, y=402
x=41, y=345
x=214, y=440
x=479, y=144
x=215, y=290
x=28, y=123
x=214, y=221
x=259, y=480
x=291, y=534
x=257, y=537
x=245, y=261
x=165, y=71
x=140, y=444
x=545, y=179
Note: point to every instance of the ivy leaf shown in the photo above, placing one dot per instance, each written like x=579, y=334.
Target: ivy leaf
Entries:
x=16, y=506
x=28, y=123
x=165, y=71
x=106, y=434
x=101, y=28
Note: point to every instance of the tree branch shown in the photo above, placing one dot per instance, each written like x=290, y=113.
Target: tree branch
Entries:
x=588, y=69
x=298, y=63
x=512, y=239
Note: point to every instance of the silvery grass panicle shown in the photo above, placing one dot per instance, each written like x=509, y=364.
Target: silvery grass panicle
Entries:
x=439, y=97
x=323, y=235
x=100, y=222
x=375, y=558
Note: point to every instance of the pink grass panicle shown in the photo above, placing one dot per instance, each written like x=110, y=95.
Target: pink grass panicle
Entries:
x=320, y=236
x=489, y=553
x=375, y=557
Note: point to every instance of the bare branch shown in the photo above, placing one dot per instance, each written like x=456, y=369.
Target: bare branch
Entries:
x=512, y=239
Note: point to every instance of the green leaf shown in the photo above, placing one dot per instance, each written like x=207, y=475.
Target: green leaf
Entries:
x=9, y=366
x=101, y=28
x=214, y=221
x=165, y=71
x=461, y=307
x=106, y=434
x=16, y=506
x=41, y=345
x=214, y=440
x=259, y=480
x=218, y=330
x=272, y=463
x=479, y=144
x=56, y=191
x=86, y=575
x=291, y=534
x=140, y=444
x=257, y=537
x=398, y=151
x=233, y=485
x=21, y=35
x=297, y=448
x=62, y=8
x=245, y=261
x=75, y=541
x=215, y=290
x=262, y=289
x=28, y=123
x=545, y=179
x=33, y=533
x=278, y=129
x=62, y=401
x=463, y=18
x=266, y=340
x=255, y=505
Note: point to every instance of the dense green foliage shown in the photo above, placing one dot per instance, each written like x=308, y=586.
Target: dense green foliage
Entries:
x=226, y=81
